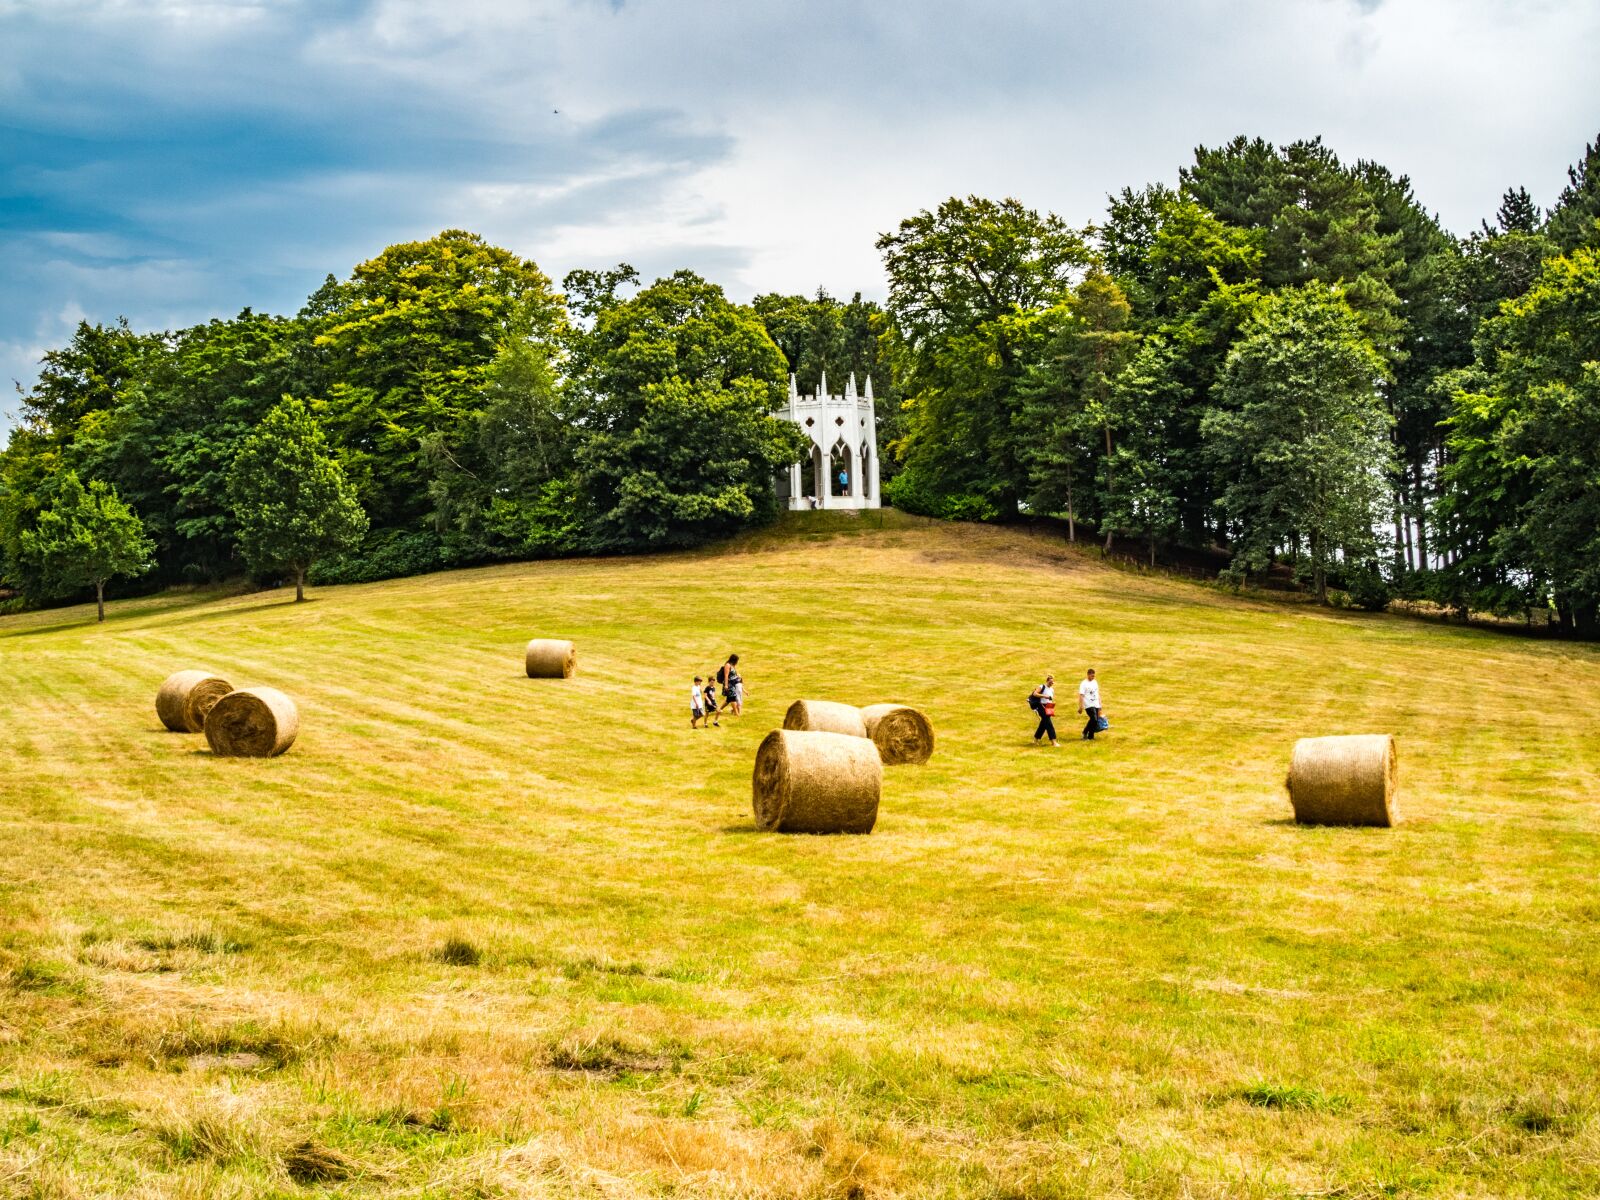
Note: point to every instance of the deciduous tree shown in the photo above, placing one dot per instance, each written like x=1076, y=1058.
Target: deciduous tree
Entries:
x=291, y=502
x=1301, y=428
x=674, y=391
x=1525, y=441
x=956, y=275
x=85, y=537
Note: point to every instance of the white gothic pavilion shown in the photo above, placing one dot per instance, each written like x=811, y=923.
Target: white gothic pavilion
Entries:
x=842, y=469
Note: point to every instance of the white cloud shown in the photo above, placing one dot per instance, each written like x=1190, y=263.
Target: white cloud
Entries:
x=765, y=144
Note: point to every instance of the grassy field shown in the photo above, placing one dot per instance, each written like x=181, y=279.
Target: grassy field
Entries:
x=479, y=935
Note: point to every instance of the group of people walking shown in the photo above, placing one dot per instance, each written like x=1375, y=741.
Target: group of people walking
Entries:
x=1043, y=701
x=704, y=712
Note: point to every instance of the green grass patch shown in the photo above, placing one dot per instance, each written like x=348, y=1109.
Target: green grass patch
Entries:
x=481, y=934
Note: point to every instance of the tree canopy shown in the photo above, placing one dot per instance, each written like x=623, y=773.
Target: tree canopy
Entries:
x=290, y=499
x=82, y=537
x=1279, y=360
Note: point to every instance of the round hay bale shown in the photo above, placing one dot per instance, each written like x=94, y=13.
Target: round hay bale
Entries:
x=814, y=782
x=253, y=723
x=550, y=658
x=825, y=716
x=902, y=734
x=1348, y=780
x=185, y=698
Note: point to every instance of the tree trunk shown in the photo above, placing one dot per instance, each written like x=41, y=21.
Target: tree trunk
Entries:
x=1402, y=541
x=1110, y=490
x=1319, y=575
x=1586, y=621
x=1152, y=548
x=299, y=584
x=1072, y=517
x=100, y=598
x=1422, y=513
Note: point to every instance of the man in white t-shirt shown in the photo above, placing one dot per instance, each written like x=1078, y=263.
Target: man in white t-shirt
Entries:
x=1089, y=702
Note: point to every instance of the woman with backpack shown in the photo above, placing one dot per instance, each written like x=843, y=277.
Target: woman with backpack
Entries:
x=732, y=686
x=1043, y=701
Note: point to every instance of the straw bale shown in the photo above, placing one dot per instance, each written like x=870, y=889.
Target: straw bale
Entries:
x=816, y=782
x=253, y=723
x=185, y=698
x=550, y=658
x=902, y=734
x=825, y=716
x=1347, y=780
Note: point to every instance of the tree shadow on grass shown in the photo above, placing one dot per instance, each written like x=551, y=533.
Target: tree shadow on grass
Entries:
x=220, y=614
x=152, y=618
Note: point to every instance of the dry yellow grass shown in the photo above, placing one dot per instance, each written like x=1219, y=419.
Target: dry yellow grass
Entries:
x=478, y=935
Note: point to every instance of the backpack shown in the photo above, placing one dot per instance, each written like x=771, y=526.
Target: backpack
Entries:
x=1035, y=703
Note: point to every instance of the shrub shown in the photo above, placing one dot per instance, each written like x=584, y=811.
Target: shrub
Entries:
x=385, y=554
x=1368, y=589
x=910, y=492
x=967, y=506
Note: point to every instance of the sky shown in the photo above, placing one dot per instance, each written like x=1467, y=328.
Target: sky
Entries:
x=174, y=160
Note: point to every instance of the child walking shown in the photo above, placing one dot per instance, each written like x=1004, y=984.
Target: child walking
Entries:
x=710, y=696
x=697, y=703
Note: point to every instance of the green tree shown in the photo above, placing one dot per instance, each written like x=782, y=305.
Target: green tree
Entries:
x=674, y=390
x=957, y=278
x=1301, y=431
x=89, y=374
x=697, y=464
x=1067, y=393
x=84, y=537
x=167, y=445
x=30, y=466
x=509, y=488
x=1525, y=441
x=1192, y=280
x=1150, y=461
x=1517, y=214
x=402, y=352
x=1058, y=433
x=1575, y=219
x=291, y=502
x=1320, y=219
x=807, y=332
x=1435, y=338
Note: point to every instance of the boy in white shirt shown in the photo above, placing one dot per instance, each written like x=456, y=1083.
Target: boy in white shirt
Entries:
x=1089, y=702
x=697, y=703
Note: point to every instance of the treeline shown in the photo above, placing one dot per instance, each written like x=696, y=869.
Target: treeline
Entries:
x=472, y=412
x=1285, y=357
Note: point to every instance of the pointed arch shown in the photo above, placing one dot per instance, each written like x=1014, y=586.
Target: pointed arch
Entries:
x=841, y=470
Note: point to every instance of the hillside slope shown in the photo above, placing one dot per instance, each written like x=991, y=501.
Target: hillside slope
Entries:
x=479, y=934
